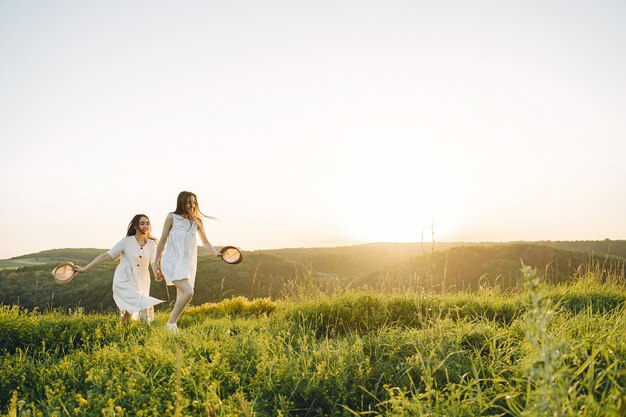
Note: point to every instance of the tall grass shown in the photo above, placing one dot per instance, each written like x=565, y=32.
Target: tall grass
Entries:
x=550, y=350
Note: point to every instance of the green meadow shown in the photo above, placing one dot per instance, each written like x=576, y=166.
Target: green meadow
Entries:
x=536, y=350
x=14, y=263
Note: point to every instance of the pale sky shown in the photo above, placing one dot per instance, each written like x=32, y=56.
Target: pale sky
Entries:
x=323, y=123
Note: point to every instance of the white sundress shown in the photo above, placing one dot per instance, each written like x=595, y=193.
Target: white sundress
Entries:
x=181, y=252
x=131, y=281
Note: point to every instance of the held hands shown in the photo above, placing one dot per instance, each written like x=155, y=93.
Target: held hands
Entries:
x=158, y=275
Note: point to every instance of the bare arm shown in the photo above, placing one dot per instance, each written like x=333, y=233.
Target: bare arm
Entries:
x=167, y=226
x=206, y=243
x=153, y=263
x=158, y=276
x=97, y=261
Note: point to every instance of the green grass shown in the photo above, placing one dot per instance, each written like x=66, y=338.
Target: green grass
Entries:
x=546, y=351
x=18, y=263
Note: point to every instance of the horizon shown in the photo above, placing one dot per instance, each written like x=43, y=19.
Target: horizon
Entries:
x=478, y=243
x=313, y=125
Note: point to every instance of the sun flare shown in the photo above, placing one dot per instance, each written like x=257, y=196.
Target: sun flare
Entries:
x=397, y=203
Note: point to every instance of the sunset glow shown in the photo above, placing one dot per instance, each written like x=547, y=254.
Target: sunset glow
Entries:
x=313, y=124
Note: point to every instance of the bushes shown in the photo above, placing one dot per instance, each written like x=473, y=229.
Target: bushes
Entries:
x=233, y=306
x=363, y=312
x=57, y=331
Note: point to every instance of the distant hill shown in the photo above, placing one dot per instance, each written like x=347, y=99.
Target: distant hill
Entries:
x=260, y=275
x=596, y=247
x=52, y=256
x=471, y=267
x=351, y=261
x=360, y=260
x=365, y=256
x=449, y=266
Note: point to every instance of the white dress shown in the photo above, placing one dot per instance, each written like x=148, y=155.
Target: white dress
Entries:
x=180, y=259
x=131, y=281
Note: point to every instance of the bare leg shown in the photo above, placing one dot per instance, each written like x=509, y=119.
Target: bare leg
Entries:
x=184, y=292
x=125, y=317
x=146, y=315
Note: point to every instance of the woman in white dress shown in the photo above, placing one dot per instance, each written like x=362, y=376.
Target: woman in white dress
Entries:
x=179, y=262
x=131, y=281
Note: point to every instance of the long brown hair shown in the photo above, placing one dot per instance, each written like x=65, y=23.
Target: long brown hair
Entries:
x=195, y=214
x=134, y=225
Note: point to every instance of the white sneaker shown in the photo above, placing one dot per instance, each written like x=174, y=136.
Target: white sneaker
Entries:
x=172, y=327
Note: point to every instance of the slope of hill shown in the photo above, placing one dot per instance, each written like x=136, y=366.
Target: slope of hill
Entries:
x=51, y=256
x=597, y=247
x=351, y=261
x=260, y=275
x=379, y=258
x=471, y=267
x=60, y=255
x=275, y=272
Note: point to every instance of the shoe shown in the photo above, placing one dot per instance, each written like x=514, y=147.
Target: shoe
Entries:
x=172, y=327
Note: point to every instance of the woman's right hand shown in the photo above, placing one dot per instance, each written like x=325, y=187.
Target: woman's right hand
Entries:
x=79, y=269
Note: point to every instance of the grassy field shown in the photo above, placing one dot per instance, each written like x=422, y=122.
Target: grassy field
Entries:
x=18, y=263
x=545, y=351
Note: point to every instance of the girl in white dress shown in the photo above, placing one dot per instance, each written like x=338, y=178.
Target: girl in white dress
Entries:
x=179, y=262
x=131, y=281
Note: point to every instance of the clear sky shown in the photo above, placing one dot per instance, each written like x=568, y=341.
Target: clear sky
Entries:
x=303, y=123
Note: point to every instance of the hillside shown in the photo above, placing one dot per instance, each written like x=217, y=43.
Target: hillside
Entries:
x=473, y=267
x=275, y=273
x=359, y=260
x=332, y=260
x=60, y=255
x=49, y=256
x=597, y=247
x=32, y=286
